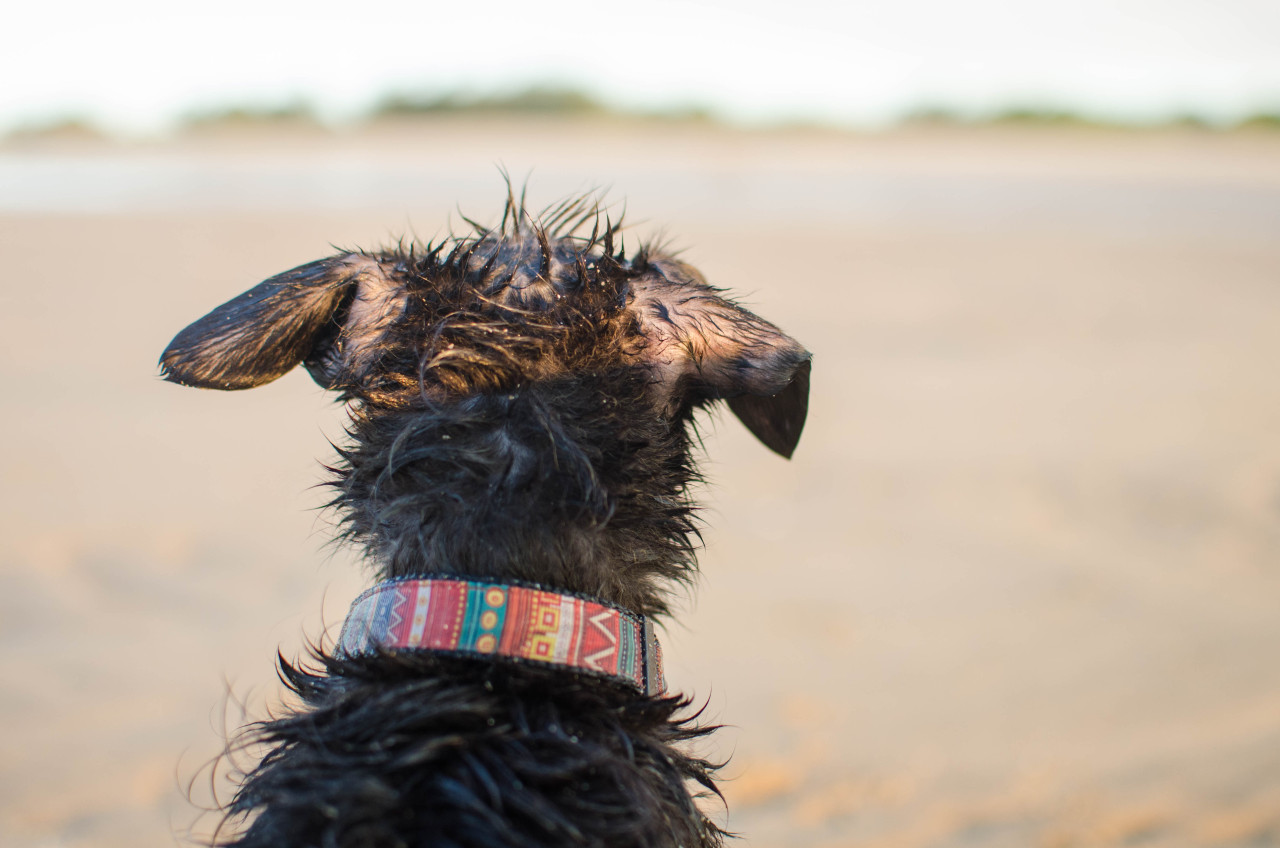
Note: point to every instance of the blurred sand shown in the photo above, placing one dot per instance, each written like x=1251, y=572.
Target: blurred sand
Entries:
x=1019, y=587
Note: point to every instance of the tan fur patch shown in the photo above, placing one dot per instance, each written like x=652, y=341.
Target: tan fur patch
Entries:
x=379, y=302
x=692, y=333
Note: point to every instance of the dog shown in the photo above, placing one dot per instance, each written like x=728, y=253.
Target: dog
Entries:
x=517, y=472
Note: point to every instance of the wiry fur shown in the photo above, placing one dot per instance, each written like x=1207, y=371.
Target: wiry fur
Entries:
x=433, y=751
x=520, y=400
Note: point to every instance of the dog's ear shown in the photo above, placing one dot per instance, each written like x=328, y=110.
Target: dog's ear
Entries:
x=699, y=342
x=778, y=419
x=262, y=334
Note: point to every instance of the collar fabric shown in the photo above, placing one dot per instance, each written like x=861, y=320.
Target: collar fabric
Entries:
x=520, y=622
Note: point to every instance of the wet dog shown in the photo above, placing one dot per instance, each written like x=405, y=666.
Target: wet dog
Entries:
x=517, y=472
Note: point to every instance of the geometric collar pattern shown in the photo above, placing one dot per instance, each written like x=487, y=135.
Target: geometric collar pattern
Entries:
x=516, y=622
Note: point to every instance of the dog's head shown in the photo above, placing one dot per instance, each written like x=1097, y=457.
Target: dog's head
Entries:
x=501, y=309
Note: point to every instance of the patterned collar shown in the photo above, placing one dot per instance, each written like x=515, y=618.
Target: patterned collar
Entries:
x=519, y=622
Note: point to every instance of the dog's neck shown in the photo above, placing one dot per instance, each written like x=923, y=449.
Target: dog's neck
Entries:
x=572, y=483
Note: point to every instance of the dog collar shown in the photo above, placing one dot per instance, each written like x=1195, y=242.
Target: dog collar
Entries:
x=514, y=622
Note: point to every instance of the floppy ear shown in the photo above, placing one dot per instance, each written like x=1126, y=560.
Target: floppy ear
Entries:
x=696, y=339
x=260, y=335
x=777, y=420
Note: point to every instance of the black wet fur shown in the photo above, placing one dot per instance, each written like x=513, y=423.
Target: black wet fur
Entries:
x=413, y=750
x=521, y=401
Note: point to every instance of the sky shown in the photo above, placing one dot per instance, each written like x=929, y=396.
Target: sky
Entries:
x=138, y=66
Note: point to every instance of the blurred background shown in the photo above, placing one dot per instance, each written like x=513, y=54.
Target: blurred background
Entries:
x=1020, y=585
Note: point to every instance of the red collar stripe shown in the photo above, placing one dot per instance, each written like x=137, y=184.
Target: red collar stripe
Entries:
x=495, y=619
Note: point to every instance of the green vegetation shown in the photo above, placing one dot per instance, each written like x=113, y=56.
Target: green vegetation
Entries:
x=533, y=101
x=1262, y=121
x=1033, y=116
x=538, y=100
x=563, y=102
x=294, y=111
x=64, y=128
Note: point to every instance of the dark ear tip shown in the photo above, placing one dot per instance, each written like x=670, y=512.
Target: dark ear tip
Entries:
x=177, y=376
x=798, y=399
x=778, y=420
x=170, y=368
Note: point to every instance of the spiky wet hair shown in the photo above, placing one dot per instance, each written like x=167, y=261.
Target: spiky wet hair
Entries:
x=422, y=751
x=519, y=395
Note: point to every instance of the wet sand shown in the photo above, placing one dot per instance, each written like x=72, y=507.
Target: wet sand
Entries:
x=1019, y=586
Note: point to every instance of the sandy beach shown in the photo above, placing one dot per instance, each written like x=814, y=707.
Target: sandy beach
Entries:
x=1020, y=585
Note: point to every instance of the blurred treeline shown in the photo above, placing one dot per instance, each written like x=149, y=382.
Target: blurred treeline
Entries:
x=555, y=101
